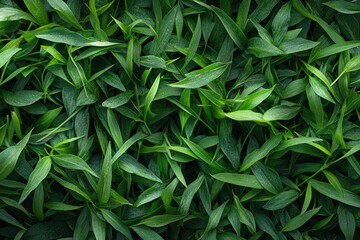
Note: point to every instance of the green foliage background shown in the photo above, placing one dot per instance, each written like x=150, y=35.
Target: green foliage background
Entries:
x=189, y=119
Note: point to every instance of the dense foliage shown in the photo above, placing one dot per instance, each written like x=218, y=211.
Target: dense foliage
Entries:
x=189, y=119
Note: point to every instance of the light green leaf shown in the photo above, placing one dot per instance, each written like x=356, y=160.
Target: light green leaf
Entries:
x=194, y=43
x=344, y=7
x=231, y=27
x=40, y=173
x=104, y=183
x=243, y=180
x=65, y=12
x=151, y=95
x=72, y=162
x=281, y=112
x=130, y=165
x=116, y=223
x=9, y=157
x=152, y=61
x=281, y=200
x=199, y=78
x=260, y=153
x=299, y=220
x=328, y=190
x=7, y=54
x=189, y=194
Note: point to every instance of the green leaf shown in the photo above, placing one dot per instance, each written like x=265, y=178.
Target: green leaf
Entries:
x=65, y=12
x=164, y=32
x=297, y=45
x=328, y=190
x=98, y=226
x=60, y=206
x=255, y=99
x=231, y=27
x=167, y=193
x=346, y=222
x=9, y=157
x=112, y=79
x=320, y=90
x=198, y=151
x=146, y=233
x=118, y=100
x=47, y=119
x=116, y=223
x=265, y=224
x=308, y=197
x=261, y=48
x=281, y=112
x=37, y=9
x=244, y=180
x=214, y=218
x=72, y=187
x=138, y=136
x=40, y=173
x=295, y=141
x=63, y=35
x=333, y=49
x=129, y=56
x=194, y=43
x=151, y=95
x=72, y=162
x=55, y=53
x=299, y=7
x=281, y=200
x=177, y=170
x=245, y=115
x=22, y=98
x=344, y=7
x=334, y=182
x=280, y=23
x=104, y=184
x=5, y=216
x=228, y=144
x=246, y=217
x=13, y=14
x=114, y=128
x=268, y=178
x=260, y=153
x=160, y=220
x=152, y=61
x=189, y=194
x=86, y=98
x=299, y=220
x=7, y=54
x=150, y=194
x=130, y=165
x=199, y=78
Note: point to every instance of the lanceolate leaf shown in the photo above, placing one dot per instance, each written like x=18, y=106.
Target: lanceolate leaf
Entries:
x=73, y=162
x=260, y=153
x=104, y=184
x=65, y=12
x=233, y=30
x=349, y=198
x=40, y=173
x=199, y=78
x=244, y=180
x=9, y=157
x=22, y=98
x=191, y=119
x=130, y=165
x=300, y=220
x=194, y=43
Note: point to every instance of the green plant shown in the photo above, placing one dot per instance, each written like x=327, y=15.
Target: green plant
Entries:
x=186, y=119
